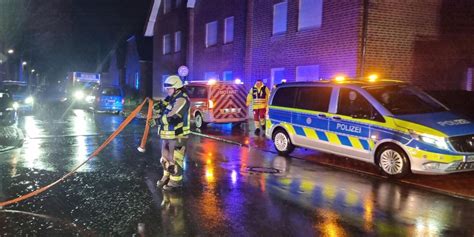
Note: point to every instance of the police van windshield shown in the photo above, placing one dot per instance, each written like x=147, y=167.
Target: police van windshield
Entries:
x=403, y=100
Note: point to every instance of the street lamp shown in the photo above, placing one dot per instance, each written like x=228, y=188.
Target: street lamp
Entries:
x=24, y=63
x=10, y=51
x=32, y=70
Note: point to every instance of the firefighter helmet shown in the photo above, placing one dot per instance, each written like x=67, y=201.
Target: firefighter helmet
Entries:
x=173, y=82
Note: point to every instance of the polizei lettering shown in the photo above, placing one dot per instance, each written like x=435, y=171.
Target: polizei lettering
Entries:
x=347, y=128
x=454, y=122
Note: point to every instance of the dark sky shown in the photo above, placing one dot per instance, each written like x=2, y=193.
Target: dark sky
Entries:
x=76, y=35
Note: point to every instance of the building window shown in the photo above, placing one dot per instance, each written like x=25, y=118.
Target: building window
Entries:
x=166, y=44
x=166, y=6
x=280, y=12
x=178, y=3
x=310, y=14
x=307, y=73
x=211, y=34
x=177, y=41
x=278, y=76
x=211, y=75
x=229, y=30
x=227, y=76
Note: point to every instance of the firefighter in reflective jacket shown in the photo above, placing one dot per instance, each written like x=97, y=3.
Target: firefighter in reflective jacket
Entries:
x=174, y=128
x=258, y=97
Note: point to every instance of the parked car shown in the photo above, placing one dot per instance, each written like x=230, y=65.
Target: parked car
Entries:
x=217, y=102
x=8, y=114
x=391, y=124
x=109, y=99
x=22, y=96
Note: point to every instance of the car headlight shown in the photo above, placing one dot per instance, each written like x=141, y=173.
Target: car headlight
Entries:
x=439, y=142
x=16, y=105
x=29, y=100
x=79, y=95
x=90, y=98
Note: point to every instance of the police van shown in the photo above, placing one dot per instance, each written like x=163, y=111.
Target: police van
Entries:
x=391, y=124
x=215, y=101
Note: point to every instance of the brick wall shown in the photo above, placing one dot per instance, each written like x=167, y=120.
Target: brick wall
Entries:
x=334, y=46
x=221, y=57
x=394, y=26
x=169, y=23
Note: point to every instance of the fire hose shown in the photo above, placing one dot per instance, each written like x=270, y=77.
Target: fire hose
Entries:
x=121, y=127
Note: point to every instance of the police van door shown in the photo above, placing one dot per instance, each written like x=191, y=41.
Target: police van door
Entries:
x=349, y=128
x=310, y=119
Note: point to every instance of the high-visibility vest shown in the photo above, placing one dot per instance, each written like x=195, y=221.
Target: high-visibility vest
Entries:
x=259, y=97
x=179, y=126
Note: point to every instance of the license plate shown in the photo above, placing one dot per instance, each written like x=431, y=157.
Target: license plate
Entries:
x=470, y=158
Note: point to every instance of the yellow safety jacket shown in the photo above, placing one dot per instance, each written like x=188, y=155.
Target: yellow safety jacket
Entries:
x=177, y=124
x=258, y=97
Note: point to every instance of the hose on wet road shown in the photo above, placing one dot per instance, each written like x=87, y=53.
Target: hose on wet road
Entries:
x=122, y=126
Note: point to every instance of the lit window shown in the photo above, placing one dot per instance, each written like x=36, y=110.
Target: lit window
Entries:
x=227, y=76
x=307, y=73
x=166, y=44
x=177, y=41
x=166, y=6
x=310, y=14
x=211, y=33
x=280, y=11
x=137, y=81
x=229, y=30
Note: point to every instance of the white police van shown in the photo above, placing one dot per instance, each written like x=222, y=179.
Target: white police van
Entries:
x=388, y=123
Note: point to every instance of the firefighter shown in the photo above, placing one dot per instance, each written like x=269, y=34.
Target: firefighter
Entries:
x=258, y=97
x=174, y=129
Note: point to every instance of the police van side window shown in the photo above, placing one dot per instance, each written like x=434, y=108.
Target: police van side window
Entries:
x=353, y=104
x=285, y=97
x=314, y=98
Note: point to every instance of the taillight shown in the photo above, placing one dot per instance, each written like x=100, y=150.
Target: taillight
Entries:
x=211, y=104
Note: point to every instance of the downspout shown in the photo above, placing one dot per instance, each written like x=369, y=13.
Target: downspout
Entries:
x=365, y=24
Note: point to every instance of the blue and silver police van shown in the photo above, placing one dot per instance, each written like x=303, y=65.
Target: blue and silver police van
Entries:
x=391, y=124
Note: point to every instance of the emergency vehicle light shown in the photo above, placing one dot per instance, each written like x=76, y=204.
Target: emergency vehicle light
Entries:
x=340, y=78
x=373, y=77
x=238, y=81
x=212, y=82
x=211, y=104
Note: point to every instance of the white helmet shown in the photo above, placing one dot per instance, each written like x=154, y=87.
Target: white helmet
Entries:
x=173, y=82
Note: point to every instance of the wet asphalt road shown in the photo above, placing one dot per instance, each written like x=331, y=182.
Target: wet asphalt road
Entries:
x=229, y=190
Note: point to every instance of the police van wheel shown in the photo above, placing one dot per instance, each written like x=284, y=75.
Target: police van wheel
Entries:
x=393, y=161
x=282, y=142
x=199, y=121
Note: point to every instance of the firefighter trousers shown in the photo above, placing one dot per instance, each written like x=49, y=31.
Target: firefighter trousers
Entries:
x=173, y=163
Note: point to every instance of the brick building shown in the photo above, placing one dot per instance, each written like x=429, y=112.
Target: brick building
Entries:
x=299, y=40
x=168, y=24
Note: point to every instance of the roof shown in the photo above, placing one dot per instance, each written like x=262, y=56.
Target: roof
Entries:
x=155, y=7
x=352, y=82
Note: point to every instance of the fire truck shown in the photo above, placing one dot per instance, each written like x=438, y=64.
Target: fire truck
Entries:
x=217, y=102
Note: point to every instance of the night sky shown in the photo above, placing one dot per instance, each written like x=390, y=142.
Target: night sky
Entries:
x=70, y=35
